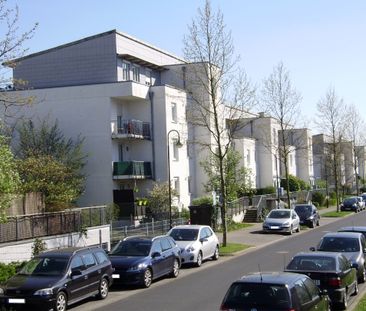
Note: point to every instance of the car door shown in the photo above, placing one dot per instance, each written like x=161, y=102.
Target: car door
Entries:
x=317, y=301
x=211, y=241
x=295, y=219
x=168, y=255
x=157, y=259
x=347, y=275
x=92, y=272
x=205, y=243
x=77, y=285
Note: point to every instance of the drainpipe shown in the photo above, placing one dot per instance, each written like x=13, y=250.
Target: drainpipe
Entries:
x=151, y=97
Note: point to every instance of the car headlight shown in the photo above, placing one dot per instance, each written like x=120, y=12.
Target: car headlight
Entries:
x=44, y=292
x=311, y=217
x=138, y=267
x=287, y=223
x=190, y=249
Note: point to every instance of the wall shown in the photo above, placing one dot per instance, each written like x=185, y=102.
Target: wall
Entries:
x=22, y=250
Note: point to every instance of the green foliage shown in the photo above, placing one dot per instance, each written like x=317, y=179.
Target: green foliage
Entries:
x=316, y=204
x=9, y=178
x=320, y=183
x=38, y=247
x=206, y=200
x=266, y=190
x=237, y=179
x=158, y=198
x=295, y=184
x=51, y=164
x=8, y=270
x=318, y=198
x=112, y=212
x=185, y=213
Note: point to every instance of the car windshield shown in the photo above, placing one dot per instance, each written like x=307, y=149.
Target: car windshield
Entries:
x=132, y=248
x=180, y=234
x=303, y=209
x=259, y=295
x=339, y=244
x=279, y=214
x=350, y=201
x=45, y=266
x=305, y=263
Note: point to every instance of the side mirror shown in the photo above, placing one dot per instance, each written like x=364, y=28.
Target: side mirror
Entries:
x=155, y=254
x=323, y=292
x=312, y=249
x=203, y=240
x=76, y=272
x=354, y=265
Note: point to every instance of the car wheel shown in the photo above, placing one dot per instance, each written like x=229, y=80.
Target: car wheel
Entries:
x=318, y=223
x=60, y=302
x=362, y=278
x=344, y=303
x=312, y=224
x=291, y=230
x=103, y=289
x=147, y=278
x=216, y=254
x=175, y=271
x=298, y=228
x=356, y=290
x=199, y=259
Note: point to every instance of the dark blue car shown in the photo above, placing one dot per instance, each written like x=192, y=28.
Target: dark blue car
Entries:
x=139, y=260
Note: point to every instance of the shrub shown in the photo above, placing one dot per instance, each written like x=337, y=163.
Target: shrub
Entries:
x=319, y=198
x=8, y=270
x=266, y=190
x=202, y=201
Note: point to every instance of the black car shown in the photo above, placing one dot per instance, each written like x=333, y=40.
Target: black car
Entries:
x=350, y=244
x=59, y=278
x=280, y=291
x=351, y=204
x=329, y=271
x=308, y=214
x=139, y=260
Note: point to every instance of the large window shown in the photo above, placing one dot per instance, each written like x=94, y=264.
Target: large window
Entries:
x=174, y=112
x=175, y=152
x=125, y=71
x=176, y=185
x=135, y=73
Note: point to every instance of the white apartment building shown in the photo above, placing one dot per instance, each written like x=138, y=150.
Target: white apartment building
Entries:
x=125, y=98
x=247, y=148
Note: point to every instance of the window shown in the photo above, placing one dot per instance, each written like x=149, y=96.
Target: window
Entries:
x=156, y=247
x=77, y=264
x=148, y=77
x=176, y=184
x=101, y=257
x=274, y=132
x=125, y=71
x=174, y=112
x=248, y=157
x=165, y=245
x=89, y=260
x=135, y=73
x=175, y=152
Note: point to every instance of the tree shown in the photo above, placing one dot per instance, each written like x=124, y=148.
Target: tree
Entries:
x=281, y=100
x=331, y=118
x=11, y=48
x=237, y=179
x=219, y=90
x=9, y=178
x=158, y=199
x=51, y=164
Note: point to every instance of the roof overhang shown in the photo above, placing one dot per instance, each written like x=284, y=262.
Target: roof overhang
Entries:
x=142, y=62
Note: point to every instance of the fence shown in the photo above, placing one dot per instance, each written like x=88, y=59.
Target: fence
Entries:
x=38, y=225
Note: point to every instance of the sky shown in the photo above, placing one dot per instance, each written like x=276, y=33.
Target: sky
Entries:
x=322, y=43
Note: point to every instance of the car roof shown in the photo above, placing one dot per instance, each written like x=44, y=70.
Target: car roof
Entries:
x=353, y=228
x=189, y=227
x=281, y=209
x=280, y=278
x=343, y=234
x=319, y=253
x=67, y=251
x=303, y=204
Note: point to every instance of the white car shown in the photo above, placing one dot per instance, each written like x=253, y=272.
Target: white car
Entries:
x=361, y=203
x=197, y=243
x=282, y=220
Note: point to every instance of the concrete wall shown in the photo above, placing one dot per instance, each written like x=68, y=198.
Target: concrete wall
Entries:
x=22, y=250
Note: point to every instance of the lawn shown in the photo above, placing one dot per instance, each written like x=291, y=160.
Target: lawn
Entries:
x=336, y=214
x=361, y=306
x=232, y=226
x=232, y=248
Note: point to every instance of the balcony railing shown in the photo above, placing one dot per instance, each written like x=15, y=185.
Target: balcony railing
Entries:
x=132, y=170
x=131, y=129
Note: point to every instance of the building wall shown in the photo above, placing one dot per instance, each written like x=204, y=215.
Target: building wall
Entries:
x=247, y=149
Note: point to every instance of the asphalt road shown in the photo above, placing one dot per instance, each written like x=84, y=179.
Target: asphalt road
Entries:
x=203, y=288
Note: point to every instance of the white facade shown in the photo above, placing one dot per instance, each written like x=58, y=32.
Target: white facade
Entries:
x=247, y=148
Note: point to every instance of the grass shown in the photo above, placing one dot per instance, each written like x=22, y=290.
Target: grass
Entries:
x=235, y=226
x=232, y=248
x=336, y=214
x=361, y=306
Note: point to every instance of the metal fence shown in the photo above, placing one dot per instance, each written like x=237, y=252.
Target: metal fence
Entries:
x=38, y=225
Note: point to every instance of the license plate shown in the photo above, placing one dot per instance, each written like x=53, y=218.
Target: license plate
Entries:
x=16, y=300
x=317, y=282
x=274, y=227
x=115, y=276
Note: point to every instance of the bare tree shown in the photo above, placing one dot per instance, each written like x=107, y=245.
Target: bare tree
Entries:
x=11, y=48
x=219, y=89
x=331, y=119
x=281, y=100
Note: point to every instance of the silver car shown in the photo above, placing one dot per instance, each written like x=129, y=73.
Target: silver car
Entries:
x=282, y=220
x=197, y=243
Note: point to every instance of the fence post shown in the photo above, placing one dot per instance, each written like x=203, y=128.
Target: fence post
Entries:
x=90, y=217
x=125, y=230
x=16, y=228
x=147, y=229
x=152, y=226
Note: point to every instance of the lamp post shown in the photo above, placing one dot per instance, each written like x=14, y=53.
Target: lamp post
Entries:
x=179, y=144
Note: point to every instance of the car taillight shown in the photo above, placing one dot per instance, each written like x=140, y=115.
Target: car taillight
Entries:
x=336, y=282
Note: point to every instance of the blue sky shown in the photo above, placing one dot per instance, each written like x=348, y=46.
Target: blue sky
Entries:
x=321, y=42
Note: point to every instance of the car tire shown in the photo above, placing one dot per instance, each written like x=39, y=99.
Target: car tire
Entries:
x=103, y=289
x=175, y=271
x=290, y=231
x=318, y=223
x=199, y=259
x=356, y=290
x=312, y=224
x=362, y=279
x=344, y=303
x=147, y=278
x=216, y=254
x=60, y=302
x=298, y=228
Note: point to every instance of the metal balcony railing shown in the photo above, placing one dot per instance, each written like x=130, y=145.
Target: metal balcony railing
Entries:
x=131, y=128
x=132, y=169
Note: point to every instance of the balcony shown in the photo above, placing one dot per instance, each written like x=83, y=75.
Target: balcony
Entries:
x=132, y=170
x=130, y=129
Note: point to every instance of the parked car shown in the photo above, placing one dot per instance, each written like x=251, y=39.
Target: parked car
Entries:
x=360, y=229
x=282, y=220
x=59, y=278
x=351, y=204
x=280, y=291
x=363, y=196
x=138, y=260
x=330, y=271
x=361, y=202
x=308, y=214
x=351, y=244
x=197, y=243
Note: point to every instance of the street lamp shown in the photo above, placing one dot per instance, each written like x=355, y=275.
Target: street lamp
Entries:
x=178, y=144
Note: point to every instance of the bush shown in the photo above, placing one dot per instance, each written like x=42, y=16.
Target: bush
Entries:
x=202, y=201
x=316, y=204
x=8, y=270
x=319, y=198
x=266, y=190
